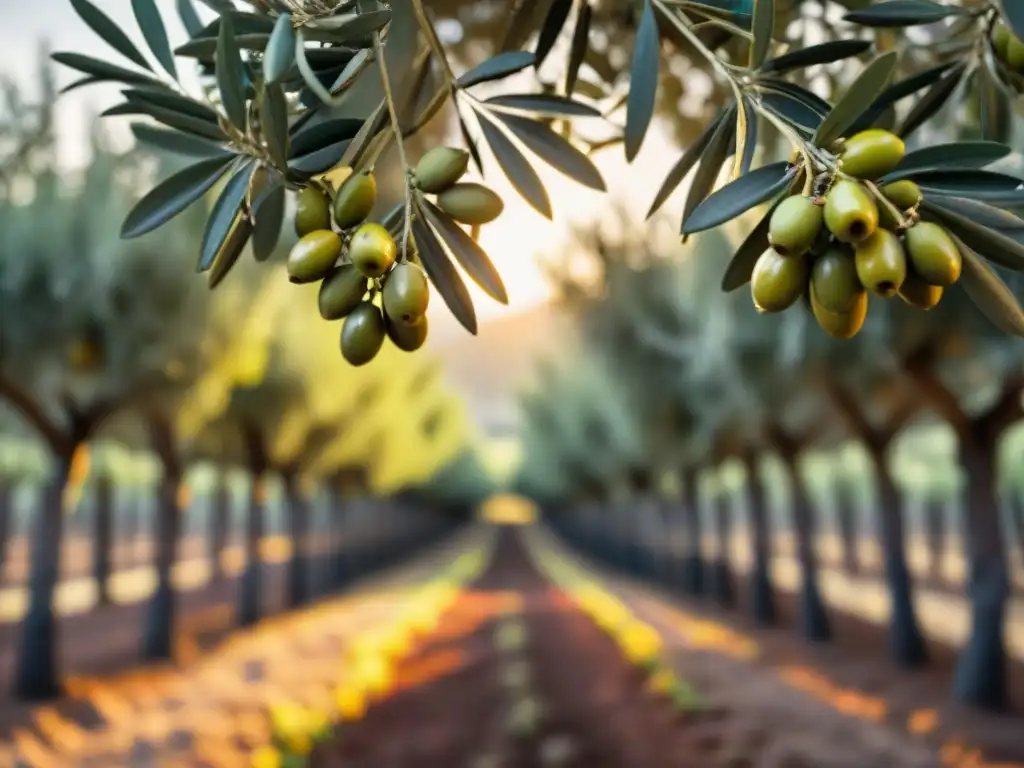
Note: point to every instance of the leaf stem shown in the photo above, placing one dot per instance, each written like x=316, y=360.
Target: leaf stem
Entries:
x=427, y=26
x=396, y=129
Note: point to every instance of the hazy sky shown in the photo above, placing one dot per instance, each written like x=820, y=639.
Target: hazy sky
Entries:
x=514, y=241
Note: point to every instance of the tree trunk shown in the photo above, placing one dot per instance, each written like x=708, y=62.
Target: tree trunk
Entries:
x=297, y=517
x=905, y=639
x=937, y=537
x=250, y=592
x=981, y=672
x=339, y=525
x=762, y=594
x=721, y=572
x=37, y=670
x=102, y=537
x=693, y=561
x=846, y=519
x=813, y=617
x=220, y=517
x=158, y=637
x=1016, y=512
x=6, y=519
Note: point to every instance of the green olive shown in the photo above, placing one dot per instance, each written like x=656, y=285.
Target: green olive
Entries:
x=341, y=291
x=471, y=203
x=313, y=256
x=872, y=153
x=406, y=293
x=407, y=337
x=881, y=263
x=362, y=334
x=372, y=250
x=777, y=281
x=354, y=200
x=794, y=226
x=850, y=212
x=933, y=254
x=312, y=211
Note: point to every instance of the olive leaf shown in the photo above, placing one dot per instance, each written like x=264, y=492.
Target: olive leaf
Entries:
x=152, y=25
x=230, y=75
x=474, y=151
x=80, y=83
x=857, y=99
x=274, y=123
x=110, y=33
x=643, y=89
x=231, y=249
x=222, y=216
x=901, y=13
x=578, y=47
x=516, y=167
x=996, y=113
x=970, y=182
x=739, y=196
x=318, y=161
x=189, y=18
x=102, y=69
x=279, y=55
x=981, y=213
x=173, y=195
x=347, y=27
x=684, y=164
x=167, y=99
x=749, y=142
x=762, y=26
x=373, y=125
x=496, y=67
x=443, y=275
x=172, y=119
x=524, y=21
x=741, y=266
x=205, y=48
x=269, y=215
x=324, y=134
x=710, y=165
x=554, y=150
x=466, y=251
x=176, y=142
x=960, y=154
x=823, y=53
x=926, y=107
x=544, y=104
x=989, y=293
x=795, y=110
x=552, y=27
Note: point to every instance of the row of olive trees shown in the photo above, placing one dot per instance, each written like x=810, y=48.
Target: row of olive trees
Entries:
x=707, y=379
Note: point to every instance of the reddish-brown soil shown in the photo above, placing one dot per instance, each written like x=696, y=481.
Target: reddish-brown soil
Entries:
x=814, y=683
x=595, y=710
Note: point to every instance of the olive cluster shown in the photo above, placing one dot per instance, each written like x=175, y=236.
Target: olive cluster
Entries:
x=363, y=278
x=1008, y=48
x=853, y=238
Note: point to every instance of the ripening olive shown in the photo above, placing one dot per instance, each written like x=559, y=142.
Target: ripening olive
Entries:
x=933, y=254
x=794, y=226
x=406, y=294
x=835, y=282
x=407, y=337
x=471, y=203
x=1015, y=54
x=903, y=194
x=372, y=250
x=341, y=291
x=777, y=281
x=1001, y=37
x=872, y=153
x=362, y=334
x=440, y=168
x=840, y=325
x=312, y=211
x=354, y=200
x=918, y=292
x=313, y=256
x=850, y=212
x=881, y=263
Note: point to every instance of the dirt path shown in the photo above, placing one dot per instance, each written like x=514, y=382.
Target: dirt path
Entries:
x=593, y=708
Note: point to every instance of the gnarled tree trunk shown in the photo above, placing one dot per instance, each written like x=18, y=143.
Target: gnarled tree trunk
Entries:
x=37, y=671
x=721, y=571
x=905, y=640
x=814, y=619
x=297, y=592
x=693, y=560
x=762, y=594
x=220, y=516
x=846, y=519
x=102, y=537
x=158, y=634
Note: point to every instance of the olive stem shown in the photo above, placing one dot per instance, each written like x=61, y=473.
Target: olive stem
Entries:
x=427, y=26
x=801, y=146
x=396, y=129
x=897, y=214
